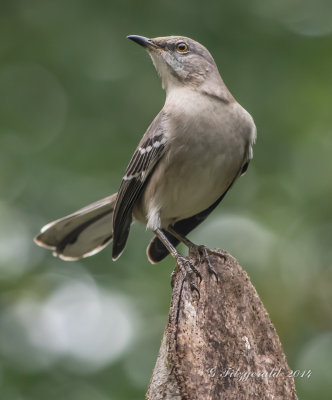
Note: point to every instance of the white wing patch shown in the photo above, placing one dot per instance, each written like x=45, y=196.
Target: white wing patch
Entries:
x=155, y=145
x=145, y=151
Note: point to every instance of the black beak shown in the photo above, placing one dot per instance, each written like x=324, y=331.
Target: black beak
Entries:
x=143, y=41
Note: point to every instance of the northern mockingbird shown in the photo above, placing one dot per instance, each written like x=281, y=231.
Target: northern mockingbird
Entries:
x=189, y=157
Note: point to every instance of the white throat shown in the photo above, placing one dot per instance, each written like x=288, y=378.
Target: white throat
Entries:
x=168, y=80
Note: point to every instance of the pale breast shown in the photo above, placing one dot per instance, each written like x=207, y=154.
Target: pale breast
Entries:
x=207, y=146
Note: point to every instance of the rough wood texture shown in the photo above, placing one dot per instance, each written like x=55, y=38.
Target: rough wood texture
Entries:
x=222, y=346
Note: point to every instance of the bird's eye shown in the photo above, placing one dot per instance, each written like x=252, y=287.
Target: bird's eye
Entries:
x=182, y=47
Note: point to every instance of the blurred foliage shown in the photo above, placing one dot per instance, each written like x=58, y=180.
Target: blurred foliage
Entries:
x=75, y=98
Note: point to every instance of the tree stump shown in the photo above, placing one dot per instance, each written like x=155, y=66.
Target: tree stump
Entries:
x=221, y=345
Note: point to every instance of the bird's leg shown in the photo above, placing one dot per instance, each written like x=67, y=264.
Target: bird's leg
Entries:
x=193, y=248
x=183, y=262
x=199, y=250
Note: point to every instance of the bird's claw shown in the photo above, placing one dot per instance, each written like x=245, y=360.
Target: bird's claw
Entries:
x=189, y=270
x=201, y=250
x=217, y=252
x=193, y=286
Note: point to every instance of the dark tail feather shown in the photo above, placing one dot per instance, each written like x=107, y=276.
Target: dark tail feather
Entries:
x=81, y=234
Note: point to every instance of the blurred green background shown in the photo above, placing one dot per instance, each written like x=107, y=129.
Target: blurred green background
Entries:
x=75, y=98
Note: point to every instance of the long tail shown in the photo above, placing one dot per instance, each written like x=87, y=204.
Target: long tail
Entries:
x=81, y=234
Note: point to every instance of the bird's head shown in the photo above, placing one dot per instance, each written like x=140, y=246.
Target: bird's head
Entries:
x=181, y=61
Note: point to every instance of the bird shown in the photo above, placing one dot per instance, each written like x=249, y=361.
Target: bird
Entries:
x=188, y=159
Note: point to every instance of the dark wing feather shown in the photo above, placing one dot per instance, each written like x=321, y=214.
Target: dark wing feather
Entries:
x=144, y=160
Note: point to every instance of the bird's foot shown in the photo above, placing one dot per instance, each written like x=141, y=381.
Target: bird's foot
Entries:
x=189, y=271
x=201, y=251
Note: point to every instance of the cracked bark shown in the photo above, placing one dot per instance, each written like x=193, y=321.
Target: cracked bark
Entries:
x=222, y=346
